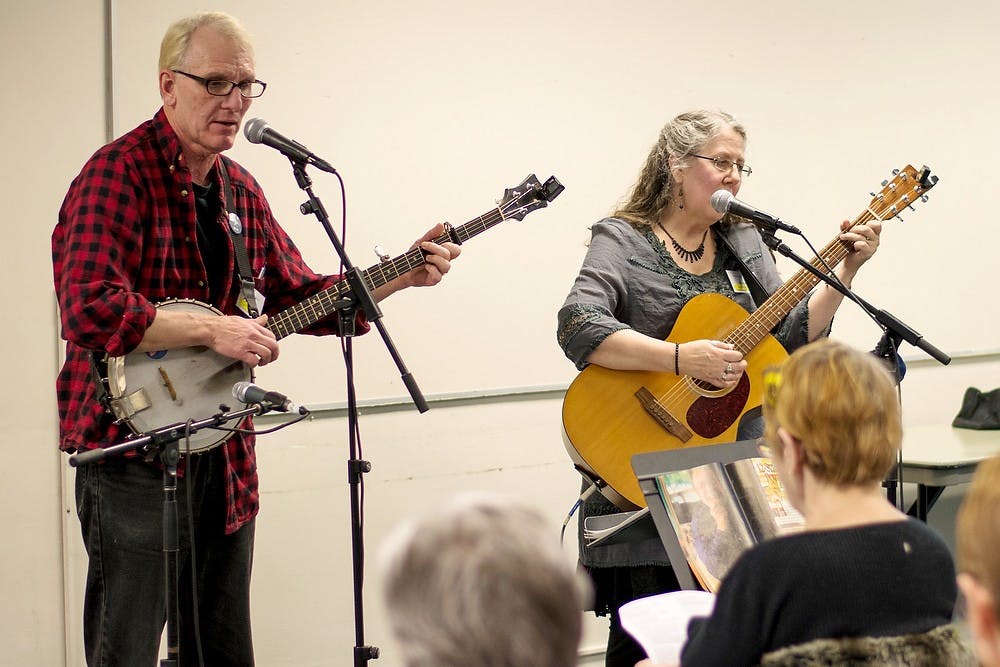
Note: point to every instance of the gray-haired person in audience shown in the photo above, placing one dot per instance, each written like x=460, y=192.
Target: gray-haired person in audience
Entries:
x=483, y=582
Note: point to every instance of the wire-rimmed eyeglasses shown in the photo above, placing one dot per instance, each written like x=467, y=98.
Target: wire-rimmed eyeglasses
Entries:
x=221, y=87
x=722, y=164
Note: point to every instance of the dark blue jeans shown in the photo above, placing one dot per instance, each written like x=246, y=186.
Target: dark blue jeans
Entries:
x=120, y=506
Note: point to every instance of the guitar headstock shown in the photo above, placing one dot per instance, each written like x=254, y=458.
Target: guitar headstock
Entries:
x=906, y=187
x=528, y=196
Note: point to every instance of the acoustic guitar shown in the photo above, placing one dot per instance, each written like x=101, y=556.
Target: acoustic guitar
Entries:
x=611, y=415
x=151, y=390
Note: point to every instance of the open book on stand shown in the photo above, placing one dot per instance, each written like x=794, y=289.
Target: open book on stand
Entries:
x=711, y=503
x=719, y=510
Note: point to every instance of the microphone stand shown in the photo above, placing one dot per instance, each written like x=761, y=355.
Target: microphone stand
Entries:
x=361, y=299
x=894, y=331
x=891, y=325
x=164, y=442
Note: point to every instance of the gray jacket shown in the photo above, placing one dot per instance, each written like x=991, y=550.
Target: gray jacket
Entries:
x=629, y=280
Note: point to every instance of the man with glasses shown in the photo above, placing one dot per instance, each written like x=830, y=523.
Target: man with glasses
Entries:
x=149, y=219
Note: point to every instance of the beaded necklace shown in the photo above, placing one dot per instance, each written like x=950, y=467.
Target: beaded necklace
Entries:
x=691, y=256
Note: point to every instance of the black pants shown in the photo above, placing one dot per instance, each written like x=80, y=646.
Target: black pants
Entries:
x=120, y=506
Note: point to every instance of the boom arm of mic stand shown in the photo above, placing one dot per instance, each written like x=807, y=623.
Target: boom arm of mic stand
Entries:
x=886, y=319
x=161, y=436
x=362, y=295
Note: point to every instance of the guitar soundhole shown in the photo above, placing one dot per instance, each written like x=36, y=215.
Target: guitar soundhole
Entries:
x=710, y=417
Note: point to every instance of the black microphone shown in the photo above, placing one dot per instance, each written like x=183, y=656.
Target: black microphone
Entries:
x=257, y=131
x=248, y=392
x=723, y=201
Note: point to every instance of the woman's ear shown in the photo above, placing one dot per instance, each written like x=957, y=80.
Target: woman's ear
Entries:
x=676, y=172
x=981, y=614
x=791, y=451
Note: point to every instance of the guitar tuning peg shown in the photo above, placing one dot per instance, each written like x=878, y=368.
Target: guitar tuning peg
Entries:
x=895, y=172
x=924, y=198
x=911, y=207
x=873, y=194
x=885, y=183
x=382, y=255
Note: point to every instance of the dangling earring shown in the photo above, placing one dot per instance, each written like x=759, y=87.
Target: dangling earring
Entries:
x=680, y=197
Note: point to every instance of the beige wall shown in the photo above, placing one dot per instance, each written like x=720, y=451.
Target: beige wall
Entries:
x=52, y=102
x=430, y=111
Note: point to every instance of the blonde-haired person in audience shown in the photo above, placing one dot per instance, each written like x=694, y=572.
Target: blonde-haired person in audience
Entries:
x=978, y=545
x=483, y=582
x=863, y=577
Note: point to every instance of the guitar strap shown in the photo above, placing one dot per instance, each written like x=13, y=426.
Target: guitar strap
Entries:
x=757, y=291
x=248, y=300
x=244, y=274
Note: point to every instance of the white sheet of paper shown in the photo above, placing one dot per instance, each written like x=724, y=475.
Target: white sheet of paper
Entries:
x=659, y=622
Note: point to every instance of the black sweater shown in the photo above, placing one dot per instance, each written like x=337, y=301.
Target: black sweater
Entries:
x=879, y=580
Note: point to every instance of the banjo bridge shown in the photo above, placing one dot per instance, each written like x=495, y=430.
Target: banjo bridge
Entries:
x=167, y=383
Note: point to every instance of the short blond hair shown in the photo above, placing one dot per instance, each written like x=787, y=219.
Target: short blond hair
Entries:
x=841, y=404
x=178, y=36
x=977, y=528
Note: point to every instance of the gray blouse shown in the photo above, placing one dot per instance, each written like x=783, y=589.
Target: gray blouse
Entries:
x=630, y=281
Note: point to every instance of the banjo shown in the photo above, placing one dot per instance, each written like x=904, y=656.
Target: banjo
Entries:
x=151, y=390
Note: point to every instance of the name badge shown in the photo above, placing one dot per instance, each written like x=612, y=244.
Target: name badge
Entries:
x=737, y=281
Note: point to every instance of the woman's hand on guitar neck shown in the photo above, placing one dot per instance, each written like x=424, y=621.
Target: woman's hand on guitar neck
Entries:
x=862, y=241
x=712, y=361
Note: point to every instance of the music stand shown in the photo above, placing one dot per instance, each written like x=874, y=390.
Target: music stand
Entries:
x=650, y=465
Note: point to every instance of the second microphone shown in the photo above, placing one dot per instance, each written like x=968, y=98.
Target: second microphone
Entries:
x=248, y=392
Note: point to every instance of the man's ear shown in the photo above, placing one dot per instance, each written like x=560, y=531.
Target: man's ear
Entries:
x=168, y=81
x=981, y=614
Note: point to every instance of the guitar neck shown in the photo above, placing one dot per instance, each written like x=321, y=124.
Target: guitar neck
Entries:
x=327, y=301
x=746, y=336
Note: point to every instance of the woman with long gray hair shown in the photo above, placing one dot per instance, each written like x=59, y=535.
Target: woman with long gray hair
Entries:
x=665, y=244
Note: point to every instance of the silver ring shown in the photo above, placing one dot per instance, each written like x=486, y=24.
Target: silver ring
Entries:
x=729, y=368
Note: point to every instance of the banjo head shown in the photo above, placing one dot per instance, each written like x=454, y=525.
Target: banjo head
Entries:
x=150, y=390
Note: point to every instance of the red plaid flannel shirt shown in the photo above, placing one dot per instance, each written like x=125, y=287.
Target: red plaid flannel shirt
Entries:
x=126, y=239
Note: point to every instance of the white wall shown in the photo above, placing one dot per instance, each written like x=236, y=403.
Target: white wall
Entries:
x=430, y=110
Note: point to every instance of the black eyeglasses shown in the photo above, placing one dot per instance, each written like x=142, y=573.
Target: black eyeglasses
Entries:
x=221, y=87
x=723, y=164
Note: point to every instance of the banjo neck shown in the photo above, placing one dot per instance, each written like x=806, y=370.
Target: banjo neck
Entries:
x=517, y=202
